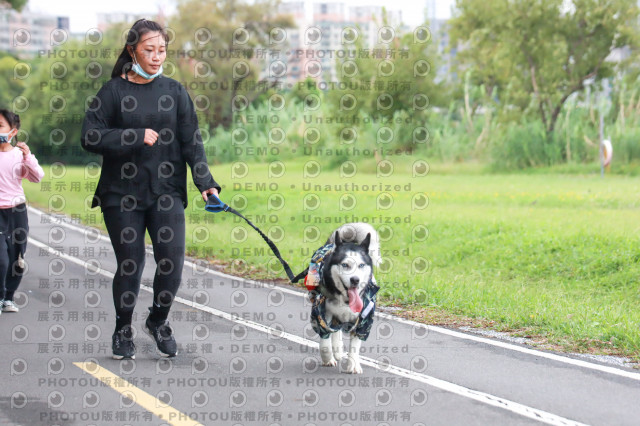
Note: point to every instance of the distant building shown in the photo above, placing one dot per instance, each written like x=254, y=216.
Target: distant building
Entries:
x=446, y=54
x=319, y=34
x=24, y=34
x=106, y=20
x=296, y=61
x=440, y=36
x=619, y=54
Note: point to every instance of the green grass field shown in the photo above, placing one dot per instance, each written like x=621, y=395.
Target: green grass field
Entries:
x=550, y=255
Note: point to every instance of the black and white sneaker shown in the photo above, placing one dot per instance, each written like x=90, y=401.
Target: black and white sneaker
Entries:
x=122, y=344
x=162, y=333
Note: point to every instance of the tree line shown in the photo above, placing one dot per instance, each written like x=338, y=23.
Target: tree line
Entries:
x=525, y=88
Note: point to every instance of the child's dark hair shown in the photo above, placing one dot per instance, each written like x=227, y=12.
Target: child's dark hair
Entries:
x=134, y=36
x=12, y=119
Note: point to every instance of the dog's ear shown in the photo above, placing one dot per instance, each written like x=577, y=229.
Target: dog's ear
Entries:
x=365, y=243
x=336, y=239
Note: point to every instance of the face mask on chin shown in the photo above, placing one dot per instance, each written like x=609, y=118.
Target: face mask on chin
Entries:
x=142, y=73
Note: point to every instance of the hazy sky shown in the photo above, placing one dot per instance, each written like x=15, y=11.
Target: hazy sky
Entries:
x=82, y=15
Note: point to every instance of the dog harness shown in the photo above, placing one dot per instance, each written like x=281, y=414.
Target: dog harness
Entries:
x=362, y=326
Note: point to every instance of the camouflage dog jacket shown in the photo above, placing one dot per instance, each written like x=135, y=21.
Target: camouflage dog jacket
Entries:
x=361, y=327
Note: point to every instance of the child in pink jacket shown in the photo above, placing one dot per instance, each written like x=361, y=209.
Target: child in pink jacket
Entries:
x=16, y=163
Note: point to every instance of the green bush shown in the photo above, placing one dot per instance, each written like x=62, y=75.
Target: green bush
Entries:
x=626, y=145
x=525, y=145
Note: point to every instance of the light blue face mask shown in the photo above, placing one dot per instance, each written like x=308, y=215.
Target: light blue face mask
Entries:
x=5, y=138
x=142, y=73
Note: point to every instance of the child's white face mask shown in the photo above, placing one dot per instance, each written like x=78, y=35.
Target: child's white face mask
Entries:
x=6, y=137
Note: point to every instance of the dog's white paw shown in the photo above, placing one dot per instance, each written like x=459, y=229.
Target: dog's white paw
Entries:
x=353, y=366
x=355, y=369
x=338, y=356
x=330, y=363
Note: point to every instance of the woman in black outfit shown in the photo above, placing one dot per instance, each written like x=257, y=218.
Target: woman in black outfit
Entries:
x=145, y=127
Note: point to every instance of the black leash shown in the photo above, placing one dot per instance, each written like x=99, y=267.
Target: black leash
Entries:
x=215, y=205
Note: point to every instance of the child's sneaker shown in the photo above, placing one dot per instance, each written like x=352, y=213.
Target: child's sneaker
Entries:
x=9, y=306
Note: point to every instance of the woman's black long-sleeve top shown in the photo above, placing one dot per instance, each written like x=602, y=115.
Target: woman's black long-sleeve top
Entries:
x=114, y=127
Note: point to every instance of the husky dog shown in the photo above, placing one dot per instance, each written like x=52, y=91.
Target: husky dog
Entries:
x=346, y=294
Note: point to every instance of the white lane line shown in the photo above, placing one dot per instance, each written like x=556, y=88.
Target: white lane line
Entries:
x=441, y=330
x=485, y=398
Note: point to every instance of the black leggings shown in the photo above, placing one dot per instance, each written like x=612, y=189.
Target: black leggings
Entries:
x=14, y=228
x=165, y=222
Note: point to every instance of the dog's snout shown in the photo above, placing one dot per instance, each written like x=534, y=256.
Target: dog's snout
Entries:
x=354, y=281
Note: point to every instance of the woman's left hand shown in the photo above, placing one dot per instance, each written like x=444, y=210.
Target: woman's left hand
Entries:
x=205, y=194
x=24, y=148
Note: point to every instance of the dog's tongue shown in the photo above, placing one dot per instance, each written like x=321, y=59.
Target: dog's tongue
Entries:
x=355, y=303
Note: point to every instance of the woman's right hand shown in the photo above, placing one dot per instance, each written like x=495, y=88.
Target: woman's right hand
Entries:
x=150, y=137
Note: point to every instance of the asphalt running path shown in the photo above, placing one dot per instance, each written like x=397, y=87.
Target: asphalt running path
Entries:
x=249, y=357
